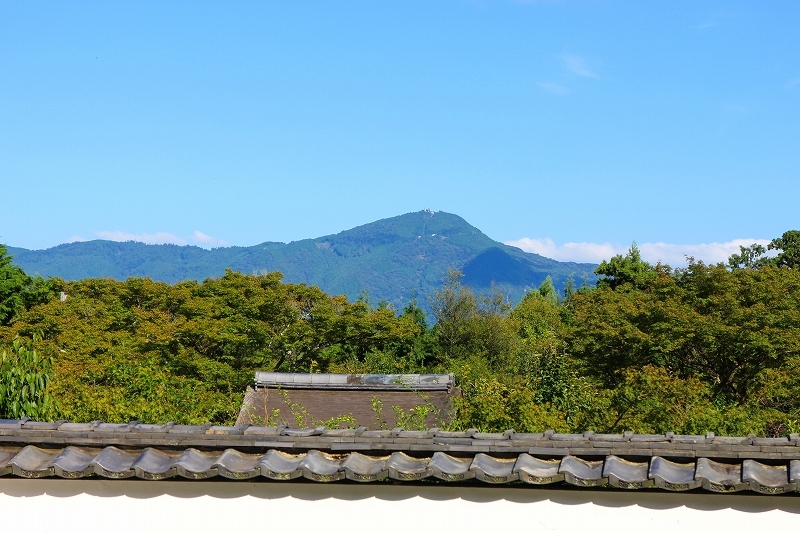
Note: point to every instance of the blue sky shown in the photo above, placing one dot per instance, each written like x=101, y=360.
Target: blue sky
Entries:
x=569, y=128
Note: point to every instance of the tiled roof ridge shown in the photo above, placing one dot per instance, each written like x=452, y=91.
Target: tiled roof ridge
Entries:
x=468, y=442
x=411, y=382
x=525, y=469
x=671, y=462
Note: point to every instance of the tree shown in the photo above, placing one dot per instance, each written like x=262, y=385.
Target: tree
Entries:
x=628, y=272
x=724, y=327
x=454, y=307
x=24, y=383
x=538, y=318
x=548, y=291
x=471, y=325
x=13, y=281
x=789, y=246
x=753, y=256
x=650, y=400
x=748, y=257
x=18, y=291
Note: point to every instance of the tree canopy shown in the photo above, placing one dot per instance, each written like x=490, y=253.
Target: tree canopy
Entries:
x=18, y=291
x=629, y=271
x=649, y=349
x=787, y=248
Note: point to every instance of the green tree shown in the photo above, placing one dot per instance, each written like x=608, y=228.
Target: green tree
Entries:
x=538, y=318
x=748, y=257
x=454, y=307
x=13, y=282
x=496, y=402
x=650, y=400
x=18, y=291
x=753, y=256
x=548, y=291
x=146, y=350
x=788, y=245
x=24, y=383
x=628, y=272
x=725, y=327
x=468, y=325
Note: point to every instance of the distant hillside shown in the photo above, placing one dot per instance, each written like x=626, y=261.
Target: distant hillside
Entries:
x=395, y=259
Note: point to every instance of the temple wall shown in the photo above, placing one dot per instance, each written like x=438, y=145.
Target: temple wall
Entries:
x=54, y=504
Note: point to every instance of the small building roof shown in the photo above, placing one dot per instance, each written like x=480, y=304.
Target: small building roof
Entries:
x=411, y=382
x=627, y=461
x=372, y=400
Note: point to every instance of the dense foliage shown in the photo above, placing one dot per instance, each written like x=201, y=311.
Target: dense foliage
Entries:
x=24, y=382
x=650, y=349
x=19, y=291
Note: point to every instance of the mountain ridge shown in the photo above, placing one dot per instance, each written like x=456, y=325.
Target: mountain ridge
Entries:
x=394, y=259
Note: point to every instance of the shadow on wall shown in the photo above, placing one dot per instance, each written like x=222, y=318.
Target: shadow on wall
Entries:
x=349, y=492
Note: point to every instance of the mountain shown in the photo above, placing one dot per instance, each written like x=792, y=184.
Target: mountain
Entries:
x=395, y=259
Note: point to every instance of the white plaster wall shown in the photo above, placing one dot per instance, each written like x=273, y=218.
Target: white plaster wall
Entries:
x=56, y=505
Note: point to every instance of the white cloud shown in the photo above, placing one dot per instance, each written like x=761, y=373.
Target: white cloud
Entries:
x=207, y=240
x=554, y=88
x=198, y=238
x=714, y=252
x=581, y=252
x=577, y=65
x=671, y=254
x=160, y=237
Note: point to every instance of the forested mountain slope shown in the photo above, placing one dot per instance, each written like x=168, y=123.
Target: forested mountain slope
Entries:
x=394, y=259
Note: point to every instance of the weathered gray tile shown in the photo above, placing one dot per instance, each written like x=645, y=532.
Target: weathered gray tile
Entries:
x=75, y=462
x=494, y=470
x=406, y=468
x=321, y=467
x=114, y=463
x=234, y=464
x=7, y=453
x=155, y=464
x=720, y=477
x=673, y=476
x=360, y=467
x=766, y=479
x=538, y=471
x=626, y=474
x=194, y=464
x=581, y=472
x=449, y=468
x=33, y=462
x=537, y=450
x=281, y=466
